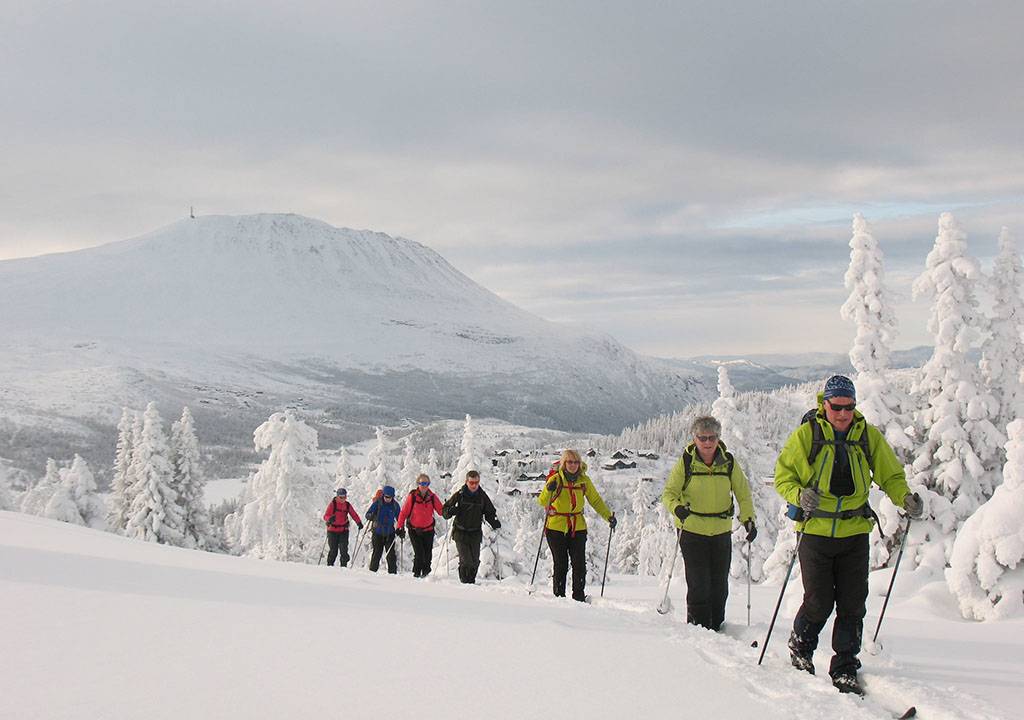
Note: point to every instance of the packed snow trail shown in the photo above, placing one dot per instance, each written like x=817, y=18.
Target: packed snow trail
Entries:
x=96, y=625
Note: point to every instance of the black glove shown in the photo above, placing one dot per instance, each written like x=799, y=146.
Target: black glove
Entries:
x=682, y=512
x=400, y=532
x=809, y=500
x=751, y=529
x=330, y=520
x=914, y=506
x=612, y=521
x=359, y=525
x=552, y=486
x=496, y=524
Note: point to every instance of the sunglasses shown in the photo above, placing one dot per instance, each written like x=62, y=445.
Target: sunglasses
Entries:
x=472, y=482
x=706, y=438
x=842, y=408
x=424, y=483
x=572, y=462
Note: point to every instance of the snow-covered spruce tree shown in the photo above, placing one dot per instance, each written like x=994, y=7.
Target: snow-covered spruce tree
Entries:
x=1002, y=354
x=6, y=494
x=986, y=570
x=279, y=516
x=869, y=308
x=155, y=515
x=628, y=547
x=35, y=499
x=471, y=457
x=960, y=441
x=738, y=437
x=82, y=486
x=61, y=505
x=343, y=470
x=118, y=502
x=374, y=474
x=410, y=469
x=431, y=468
x=190, y=483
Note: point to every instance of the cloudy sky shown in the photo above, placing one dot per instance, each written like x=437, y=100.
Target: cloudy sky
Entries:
x=681, y=174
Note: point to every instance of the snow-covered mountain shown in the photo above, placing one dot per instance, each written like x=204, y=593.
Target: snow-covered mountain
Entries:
x=238, y=316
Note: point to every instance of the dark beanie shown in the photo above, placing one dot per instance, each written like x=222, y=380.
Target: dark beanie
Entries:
x=840, y=386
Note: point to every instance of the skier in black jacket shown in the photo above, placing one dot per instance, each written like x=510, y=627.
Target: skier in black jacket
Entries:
x=470, y=506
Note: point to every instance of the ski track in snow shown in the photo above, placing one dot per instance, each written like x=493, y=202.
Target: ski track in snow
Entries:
x=95, y=625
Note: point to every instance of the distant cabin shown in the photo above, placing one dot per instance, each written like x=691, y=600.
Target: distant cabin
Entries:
x=648, y=455
x=621, y=455
x=618, y=465
x=591, y=452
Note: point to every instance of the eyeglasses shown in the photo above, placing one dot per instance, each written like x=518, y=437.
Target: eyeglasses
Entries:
x=842, y=408
x=706, y=438
x=572, y=462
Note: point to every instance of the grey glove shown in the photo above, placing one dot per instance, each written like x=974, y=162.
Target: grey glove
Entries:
x=809, y=500
x=914, y=506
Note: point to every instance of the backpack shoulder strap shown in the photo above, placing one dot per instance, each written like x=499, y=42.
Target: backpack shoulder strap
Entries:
x=730, y=463
x=687, y=470
x=818, y=440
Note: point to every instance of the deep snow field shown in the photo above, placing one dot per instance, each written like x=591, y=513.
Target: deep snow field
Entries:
x=93, y=625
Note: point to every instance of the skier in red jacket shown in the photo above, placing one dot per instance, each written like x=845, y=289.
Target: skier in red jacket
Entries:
x=419, y=508
x=336, y=516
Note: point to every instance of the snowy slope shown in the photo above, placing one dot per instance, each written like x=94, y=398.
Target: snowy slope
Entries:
x=95, y=625
x=248, y=314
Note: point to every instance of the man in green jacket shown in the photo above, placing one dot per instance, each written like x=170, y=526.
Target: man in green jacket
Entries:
x=699, y=493
x=825, y=472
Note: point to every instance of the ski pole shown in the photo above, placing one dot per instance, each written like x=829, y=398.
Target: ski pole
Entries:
x=663, y=608
x=497, y=555
x=536, y=561
x=356, y=551
x=608, y=552
x=322, y=551
x=782, y=592
x=401, y=554
x=447, y=551
x=892, y=580
x=748, y=583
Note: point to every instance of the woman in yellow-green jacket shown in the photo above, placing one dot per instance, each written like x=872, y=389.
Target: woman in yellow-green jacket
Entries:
x=565, y=527
x=699, y=494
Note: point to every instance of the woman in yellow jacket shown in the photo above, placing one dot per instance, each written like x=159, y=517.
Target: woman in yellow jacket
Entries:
x=699, y=493
x=565, y=527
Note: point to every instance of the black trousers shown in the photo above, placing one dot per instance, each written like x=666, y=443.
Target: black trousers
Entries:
x=835, y=574
x=338, y=544
x=566, y=547
x=706, y=561
x=422, y=542
x=467, y=542
x=379, y=543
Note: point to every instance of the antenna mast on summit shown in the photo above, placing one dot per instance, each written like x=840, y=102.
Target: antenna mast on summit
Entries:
x=191, y=212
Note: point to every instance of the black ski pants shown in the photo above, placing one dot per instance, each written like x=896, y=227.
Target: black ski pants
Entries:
x=338, y=544
x=422, y=542
x=835, y=574
x=565, y=548
x=379, y=543
x=706, y=561
x=467, y=543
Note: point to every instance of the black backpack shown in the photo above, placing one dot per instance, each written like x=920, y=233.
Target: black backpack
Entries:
x=818, y=440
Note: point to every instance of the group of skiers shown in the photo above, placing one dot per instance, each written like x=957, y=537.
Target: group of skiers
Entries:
x=467, y=508
x=824, y=473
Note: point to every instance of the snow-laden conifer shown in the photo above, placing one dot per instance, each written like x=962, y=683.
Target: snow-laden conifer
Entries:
x=431, y=468
x=155, y=515
x=35, y=499
x=1002, y=355
x=410, y=468
x=283, y=499
x=869, y=307
x=374, y=474
x=342, y=470
x=628, y=550
x=471, y=457
x=737, y=434
x=986, y=569
x=81, y=484
x=118, y=502
x=190, y=482
x=960, y=441
x=6, y=494
x=61, y=505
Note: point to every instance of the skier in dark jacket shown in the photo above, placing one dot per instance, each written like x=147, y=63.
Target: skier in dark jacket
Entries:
x=384, y=512
x=419, y=509
x=470, y=506
x=336, y=516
